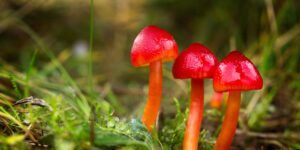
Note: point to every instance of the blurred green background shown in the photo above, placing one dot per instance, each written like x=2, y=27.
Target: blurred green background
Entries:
x=266, y=31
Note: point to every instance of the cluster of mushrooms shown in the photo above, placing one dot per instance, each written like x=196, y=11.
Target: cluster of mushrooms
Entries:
x=234, y=74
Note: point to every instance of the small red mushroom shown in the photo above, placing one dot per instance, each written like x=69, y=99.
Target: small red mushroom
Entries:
x=153, y=46
x=234, y=74
x=196, y=62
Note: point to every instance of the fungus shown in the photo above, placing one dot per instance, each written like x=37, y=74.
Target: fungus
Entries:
x=151, y=47
x=196, y=62
x=234, y=74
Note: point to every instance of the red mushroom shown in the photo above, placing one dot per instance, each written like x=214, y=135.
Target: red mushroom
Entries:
x=153, y=46
x=234, y=74
x=196, y=62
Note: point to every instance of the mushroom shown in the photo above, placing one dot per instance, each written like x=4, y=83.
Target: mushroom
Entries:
x=216, y=100
x=151, y=47
x=234, y=74
x=196, y=62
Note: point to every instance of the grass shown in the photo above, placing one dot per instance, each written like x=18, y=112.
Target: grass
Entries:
x=69, y=120
x=68, y=124
x=80, y=116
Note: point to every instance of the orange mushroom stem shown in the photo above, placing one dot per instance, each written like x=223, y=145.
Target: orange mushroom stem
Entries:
x=230, y=121
x=191, y=135
x=155, y=91
x=216, y=100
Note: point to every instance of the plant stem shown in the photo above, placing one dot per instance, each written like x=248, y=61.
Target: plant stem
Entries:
x=154, y=95
x=230, y=121
x=90, y=53
x=193, y=127
x=28, y=74
x=90, y=74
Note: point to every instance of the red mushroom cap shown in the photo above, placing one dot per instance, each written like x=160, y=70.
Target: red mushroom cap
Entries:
x=197, y=61
x=236, y=73
x=153, y=44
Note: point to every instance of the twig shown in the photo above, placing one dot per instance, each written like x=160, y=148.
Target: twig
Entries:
x=28, y=133
x=295, y=136
x=274, y=142
x=4, y=99
x=4, y=115
x=20, y=13
x=252, y=103
x=287, y=37
x=271, y=16
x=232, y=43
x=2, y=120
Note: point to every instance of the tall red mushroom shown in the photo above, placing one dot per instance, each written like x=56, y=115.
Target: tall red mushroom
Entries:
x=153, y=46
x=234, y=74
x=196, y=62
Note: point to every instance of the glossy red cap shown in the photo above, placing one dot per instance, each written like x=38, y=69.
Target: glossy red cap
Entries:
x=236, y=73
x=152, y=44
x=197, y=61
